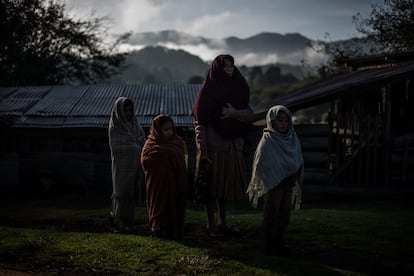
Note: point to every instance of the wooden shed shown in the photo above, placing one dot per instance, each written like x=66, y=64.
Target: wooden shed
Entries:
x=54, y=139
x=367, y=145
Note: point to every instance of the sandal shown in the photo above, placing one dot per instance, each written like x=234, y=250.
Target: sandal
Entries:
x=158, y=232
x=111, y=220
x=213, y=234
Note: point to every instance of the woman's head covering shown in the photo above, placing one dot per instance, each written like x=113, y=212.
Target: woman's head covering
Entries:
x=278, y=156
x=216, y=71
x=217, y=90
x=120, y=130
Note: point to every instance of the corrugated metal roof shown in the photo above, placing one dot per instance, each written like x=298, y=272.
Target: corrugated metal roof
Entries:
x=19, y=101
x=59, y=102
x=91, y=106
x=335, y=86
x=6, y=91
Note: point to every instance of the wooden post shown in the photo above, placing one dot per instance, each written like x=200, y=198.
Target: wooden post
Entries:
x=376, y=147
x=338, y=139
x=368, y=152
x=387, y=133
x=353, y=148
x=330, y=140
x=343, y=139
x=406, y=146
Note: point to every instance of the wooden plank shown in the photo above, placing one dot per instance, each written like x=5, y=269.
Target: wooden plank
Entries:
x=387, y=133
x=315, y=175
x=338, y=143
x=353, y=125
x=314, y=143
x=374, y=169
x=316, y=159
x=312, y=129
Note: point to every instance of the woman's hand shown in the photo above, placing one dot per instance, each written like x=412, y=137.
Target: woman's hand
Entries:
x=228, y=111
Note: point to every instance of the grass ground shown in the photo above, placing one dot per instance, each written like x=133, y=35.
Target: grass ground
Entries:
x=71, y=236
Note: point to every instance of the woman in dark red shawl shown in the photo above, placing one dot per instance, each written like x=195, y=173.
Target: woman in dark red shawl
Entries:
x=223, y=86
x=221, y=112
x=163, y=162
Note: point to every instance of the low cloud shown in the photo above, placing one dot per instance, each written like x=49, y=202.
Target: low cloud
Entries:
x=123, y=15
x=308, y=56
x=213, y=25
x=205, y=53
x=125, y=47
x=254, y=59
x=137, y=14
x=315, y=58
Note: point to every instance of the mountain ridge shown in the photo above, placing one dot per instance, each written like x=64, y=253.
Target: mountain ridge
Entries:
x=262, y=48
x=173, y=56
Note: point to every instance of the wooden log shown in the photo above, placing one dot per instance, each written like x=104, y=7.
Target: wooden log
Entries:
x=316, y=159
x=314, y=143
x=312, y=129
x=316, y=175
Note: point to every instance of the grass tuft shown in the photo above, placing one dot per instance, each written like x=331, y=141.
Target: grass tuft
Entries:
x=72, y=236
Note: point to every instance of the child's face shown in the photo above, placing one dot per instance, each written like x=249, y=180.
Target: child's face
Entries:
x=281, y=123
x=167, y=129
x=129, y=112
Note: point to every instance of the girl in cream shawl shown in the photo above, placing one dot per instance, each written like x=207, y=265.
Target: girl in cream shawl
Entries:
x=126, y=138
x=277, y=167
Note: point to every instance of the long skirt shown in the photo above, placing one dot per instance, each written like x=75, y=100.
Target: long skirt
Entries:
x=229, y=180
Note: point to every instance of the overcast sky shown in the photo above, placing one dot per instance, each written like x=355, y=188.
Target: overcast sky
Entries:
x=224, y=18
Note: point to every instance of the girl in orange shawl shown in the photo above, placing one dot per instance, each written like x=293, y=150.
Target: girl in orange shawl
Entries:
x=163, y=162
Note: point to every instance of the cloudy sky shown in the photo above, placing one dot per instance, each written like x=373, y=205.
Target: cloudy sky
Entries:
x=224, y=18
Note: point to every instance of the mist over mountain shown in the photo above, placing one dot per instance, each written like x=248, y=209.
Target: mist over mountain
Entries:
x=172, y=56
x=261, y=49
x=158, y=64
x=164, y=37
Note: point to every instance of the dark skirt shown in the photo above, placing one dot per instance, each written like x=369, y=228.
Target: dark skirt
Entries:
x=229, y=175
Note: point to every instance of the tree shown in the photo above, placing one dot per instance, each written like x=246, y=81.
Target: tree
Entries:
x=390, y=24
x=272, y=76
x=40, y=44
x=255, y=77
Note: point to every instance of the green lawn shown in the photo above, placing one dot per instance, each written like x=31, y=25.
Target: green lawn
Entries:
x=71, y=235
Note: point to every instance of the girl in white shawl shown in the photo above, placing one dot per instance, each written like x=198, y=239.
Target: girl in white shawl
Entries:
x=126, y=138
x=277, y=167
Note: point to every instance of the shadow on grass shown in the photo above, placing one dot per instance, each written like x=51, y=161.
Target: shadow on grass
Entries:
x=249, y=249
x=310, y=255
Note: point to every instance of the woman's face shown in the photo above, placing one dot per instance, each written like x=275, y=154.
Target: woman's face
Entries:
x=129, y=112
x=167, y=129
x=228, y=67
x=281, y=123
